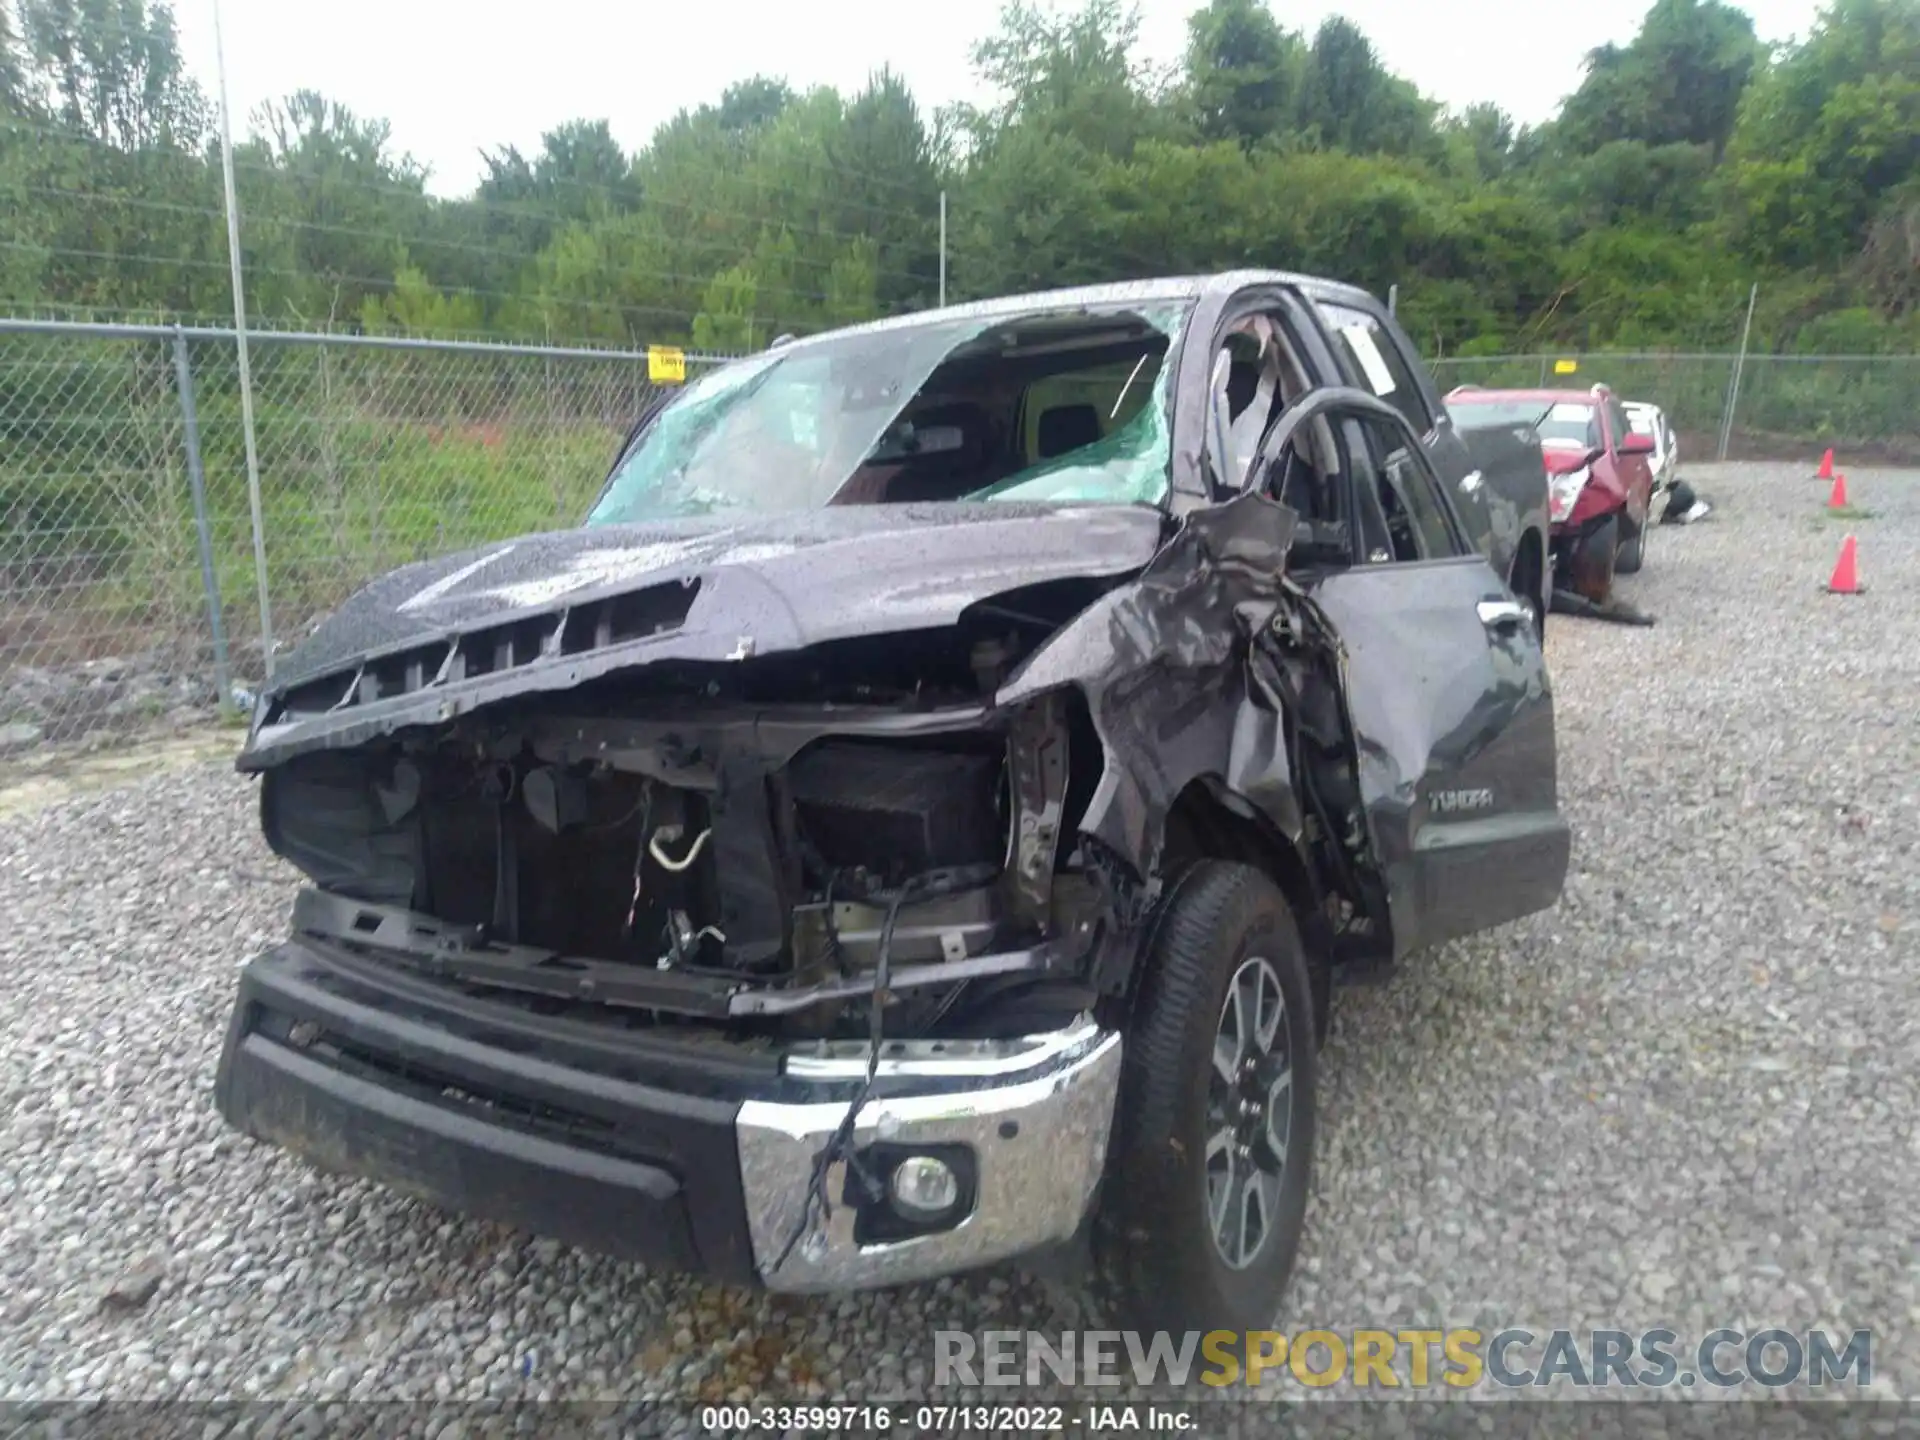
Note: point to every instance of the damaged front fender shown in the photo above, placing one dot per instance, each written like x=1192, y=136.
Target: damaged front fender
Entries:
x=1161, y=663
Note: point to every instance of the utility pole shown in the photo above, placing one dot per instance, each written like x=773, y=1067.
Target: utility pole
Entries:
x=1733, y=384
x=943, y=248
x=240, y=341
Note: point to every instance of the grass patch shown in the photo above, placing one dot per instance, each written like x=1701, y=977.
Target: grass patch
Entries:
x=1847, y=512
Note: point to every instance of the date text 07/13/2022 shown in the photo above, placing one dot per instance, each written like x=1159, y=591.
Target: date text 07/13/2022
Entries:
x=944, y=1418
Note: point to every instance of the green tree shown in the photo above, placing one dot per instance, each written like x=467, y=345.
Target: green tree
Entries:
x=328, y=207
x=753, y=103
x=13, y=73
x=1028, y=217
x=725, y=325
x=1486, y=136
x=1636, y=288
x=1678, y=82
x=883, y=159
x=111, y=210
x=1073, y=74
x=581, y=173
x=1827, y=135
x=112, y=70
x=415, y=307
x=1889, y=263
x=1631, y=183
x=1353, y=103
x=1685, y=166
x=1174, y=208
x=1244, y=74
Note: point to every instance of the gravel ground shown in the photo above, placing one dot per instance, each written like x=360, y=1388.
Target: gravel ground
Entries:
x=1684, y=1097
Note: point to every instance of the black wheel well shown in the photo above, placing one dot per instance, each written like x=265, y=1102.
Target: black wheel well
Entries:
x=1207, y=821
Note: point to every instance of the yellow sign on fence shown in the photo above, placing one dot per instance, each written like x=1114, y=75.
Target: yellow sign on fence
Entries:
x=666, y=365
x=1565, y=367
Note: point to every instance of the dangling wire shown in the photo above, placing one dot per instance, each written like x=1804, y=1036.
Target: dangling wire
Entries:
x=818, y=1207
x=640, y=858
x=676, y=866
x=836, y=956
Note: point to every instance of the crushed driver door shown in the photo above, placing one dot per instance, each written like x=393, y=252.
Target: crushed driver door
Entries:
x=1445, y=684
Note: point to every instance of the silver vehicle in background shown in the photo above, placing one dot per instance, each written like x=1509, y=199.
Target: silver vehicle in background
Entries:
x=1674, y=501
x=1650, y=420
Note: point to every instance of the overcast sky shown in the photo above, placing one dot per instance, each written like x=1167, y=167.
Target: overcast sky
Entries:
x=454, y=76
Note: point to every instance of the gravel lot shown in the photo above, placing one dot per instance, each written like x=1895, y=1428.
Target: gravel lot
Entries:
x=1685, y=1097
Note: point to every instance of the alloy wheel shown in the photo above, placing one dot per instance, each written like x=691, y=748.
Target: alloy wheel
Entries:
x=1249, y=1114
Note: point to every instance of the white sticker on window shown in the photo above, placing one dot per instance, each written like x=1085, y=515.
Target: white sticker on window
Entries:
x=1360, y=337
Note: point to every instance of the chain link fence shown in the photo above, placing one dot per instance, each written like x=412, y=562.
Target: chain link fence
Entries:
x=128, y=589
x=1783, y=407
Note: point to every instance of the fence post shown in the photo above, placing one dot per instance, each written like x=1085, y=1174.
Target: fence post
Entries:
x=1733, y=384
x=197, y=479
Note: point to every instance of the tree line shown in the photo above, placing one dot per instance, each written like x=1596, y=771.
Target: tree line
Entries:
x=1689, y=163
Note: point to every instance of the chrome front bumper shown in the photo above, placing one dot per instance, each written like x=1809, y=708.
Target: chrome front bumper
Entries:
x=1035, y=1112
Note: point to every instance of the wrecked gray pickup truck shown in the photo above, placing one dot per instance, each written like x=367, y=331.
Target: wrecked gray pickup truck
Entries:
x=916, y=819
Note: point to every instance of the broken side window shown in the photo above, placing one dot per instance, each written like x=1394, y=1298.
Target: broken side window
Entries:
x=1402, y=515
x=1257, y=374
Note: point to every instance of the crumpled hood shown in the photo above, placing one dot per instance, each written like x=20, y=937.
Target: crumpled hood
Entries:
x=731, y=587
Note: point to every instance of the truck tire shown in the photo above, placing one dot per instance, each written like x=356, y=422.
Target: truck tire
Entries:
x=1206, y=1189
x=1591, y=566
x=1633, y=549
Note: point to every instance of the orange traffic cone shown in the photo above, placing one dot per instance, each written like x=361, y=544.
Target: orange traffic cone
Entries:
x=1825, y=472
x=1838, y=499
x=1846, y=574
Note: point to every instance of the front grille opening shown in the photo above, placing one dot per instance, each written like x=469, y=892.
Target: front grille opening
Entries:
x=317, y=697
x=503, y=647
x=621, y=618
x=517, y=1112
x=891, y=811
x=401, y=674
x=496, y=649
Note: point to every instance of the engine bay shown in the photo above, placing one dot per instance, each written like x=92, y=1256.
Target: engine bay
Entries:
x=728, y=855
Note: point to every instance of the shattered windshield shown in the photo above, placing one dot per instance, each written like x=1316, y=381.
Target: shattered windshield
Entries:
x=1047, y=406
x=1126, y=464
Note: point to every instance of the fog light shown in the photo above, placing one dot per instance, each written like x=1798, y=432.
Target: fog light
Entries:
x=924, y=1187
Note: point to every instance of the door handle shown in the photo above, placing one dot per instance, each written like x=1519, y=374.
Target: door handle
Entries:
x=1503, y=614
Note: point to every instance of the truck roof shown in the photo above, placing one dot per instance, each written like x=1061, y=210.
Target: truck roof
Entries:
x=1100, y=297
